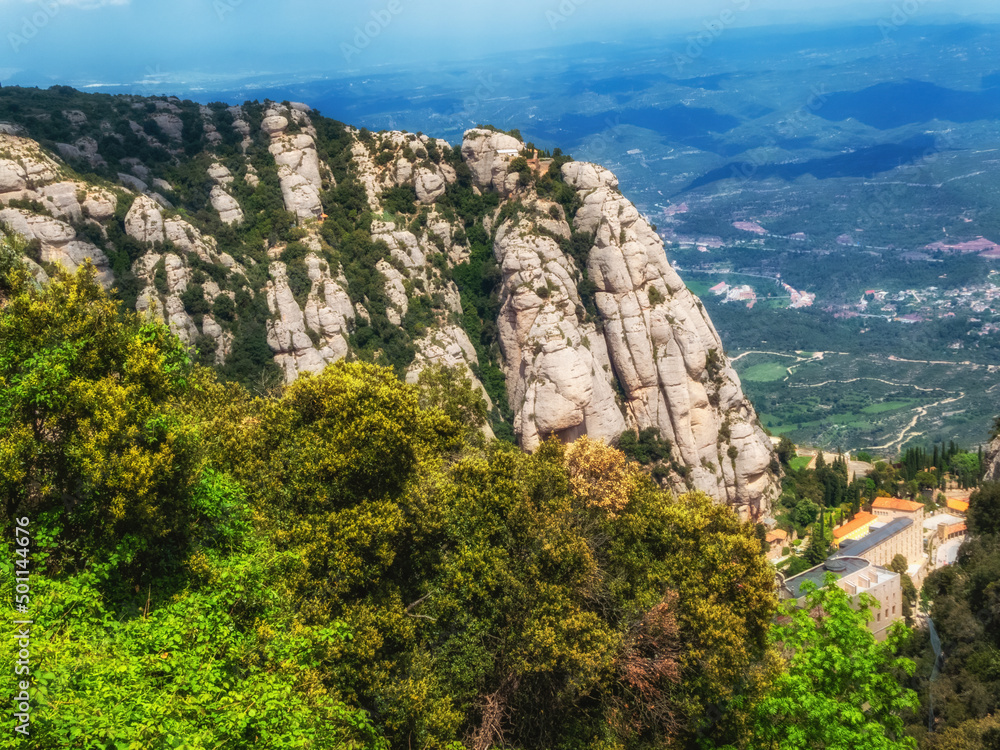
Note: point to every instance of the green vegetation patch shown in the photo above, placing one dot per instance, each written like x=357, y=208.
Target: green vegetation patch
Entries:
x=800, y=462
x=887, y=406
x=765, y=373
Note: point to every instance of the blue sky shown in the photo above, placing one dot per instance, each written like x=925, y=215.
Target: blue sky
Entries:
x=114, y=41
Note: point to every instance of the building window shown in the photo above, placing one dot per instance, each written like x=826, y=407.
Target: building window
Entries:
x=878, y=617
x=894, y=609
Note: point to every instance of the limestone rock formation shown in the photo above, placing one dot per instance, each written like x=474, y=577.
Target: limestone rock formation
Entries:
x=651, y=359
x=58, y=242
x=170, y=124
x=558, y=374
x=220, y=174
x=298, y=163
x=24, y=165
x=991, y=461
x=227, y=206
x=144, y=220
x=307, y=340
x=489, y=155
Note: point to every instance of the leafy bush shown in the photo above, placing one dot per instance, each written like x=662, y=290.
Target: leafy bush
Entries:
x=194, y=300
x=400, y=200
x=224, y=309
x=646, y=447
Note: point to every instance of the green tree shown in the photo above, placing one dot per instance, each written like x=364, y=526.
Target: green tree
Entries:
x=785, y=450
x=909, y=591
x=89, y=427
x=451, y=391
x=984, y=510
x=841, y=688
x=646, y=447
x=965, y=466
x=819, y=544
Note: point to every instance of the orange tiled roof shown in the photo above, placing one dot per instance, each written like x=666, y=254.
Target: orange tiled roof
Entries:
x=776, y=536
x=955, y=528
x=895, y=503
x=959, y=505
x=861, y=519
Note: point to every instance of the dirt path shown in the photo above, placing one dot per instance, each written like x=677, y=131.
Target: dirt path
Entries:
x=966, y=363
x=907, y=431
x=877, y=380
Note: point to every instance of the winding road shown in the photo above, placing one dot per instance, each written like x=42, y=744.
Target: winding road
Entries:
x=921, y=411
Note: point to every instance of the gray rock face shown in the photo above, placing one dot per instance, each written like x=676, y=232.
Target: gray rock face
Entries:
x=84, y=148
x=61, y=200
x=132, y=182
x=227, y=206
x=219, y=174
x=558, y=373
x=489, y=155
x=24, y=165
x=658, y=347
x=99, y=204
x=991, y=461
x=170, y=124
x=298, y=165
x=58, y=241
x=430, y=180
x=12, y=177
x=666, y=352
x=301, y=197
x=328, y=315
x=144, y=221
x=430, y=185
x=395, y=290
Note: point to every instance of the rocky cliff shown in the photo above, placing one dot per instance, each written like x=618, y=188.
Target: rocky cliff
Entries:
x=991, y=461
x=275, y=241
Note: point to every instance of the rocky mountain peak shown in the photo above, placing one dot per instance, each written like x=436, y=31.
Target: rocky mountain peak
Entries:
x=275, y=241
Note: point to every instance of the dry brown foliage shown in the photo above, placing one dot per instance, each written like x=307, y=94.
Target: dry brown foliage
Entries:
x=647, y=667
x=494, y=713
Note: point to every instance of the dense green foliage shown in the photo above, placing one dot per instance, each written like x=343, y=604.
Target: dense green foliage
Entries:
x=962, y=598
x=341, y=545
x=164, y=621
x=928, y=468
x=841, y=690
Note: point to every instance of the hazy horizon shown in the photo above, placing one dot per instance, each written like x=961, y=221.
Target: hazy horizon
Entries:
x=201, y=44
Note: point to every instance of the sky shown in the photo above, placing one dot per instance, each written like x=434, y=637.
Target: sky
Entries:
x=74, y=42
